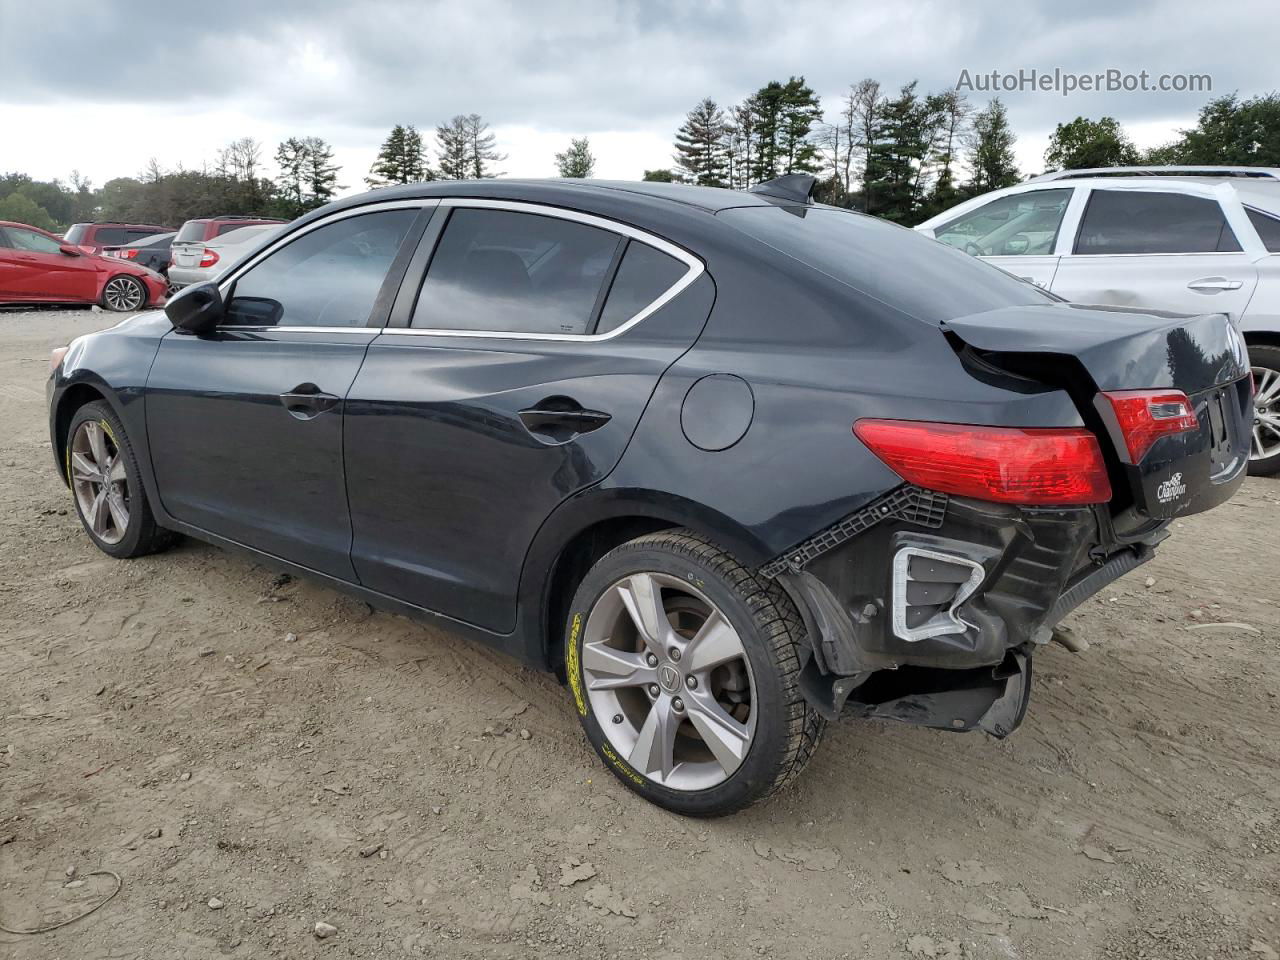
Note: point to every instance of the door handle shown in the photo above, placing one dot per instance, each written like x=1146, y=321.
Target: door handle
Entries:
x=559, y=419
x=307, y=401
x=1214, y=285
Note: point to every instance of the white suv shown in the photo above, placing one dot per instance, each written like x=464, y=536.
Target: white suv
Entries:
x=1189, y=239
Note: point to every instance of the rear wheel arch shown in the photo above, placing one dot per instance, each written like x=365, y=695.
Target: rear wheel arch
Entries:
x=615, y=524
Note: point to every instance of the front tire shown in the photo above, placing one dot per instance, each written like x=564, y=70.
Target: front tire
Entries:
x=684, y=668
x=124, y=293
x=106, y=485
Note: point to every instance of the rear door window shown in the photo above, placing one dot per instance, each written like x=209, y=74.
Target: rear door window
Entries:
x=643, y=276
x=328, y=277
x=508, y=272
x=1146, y=222
x=1268, y=228
x=112, y=236
x=1020, y=224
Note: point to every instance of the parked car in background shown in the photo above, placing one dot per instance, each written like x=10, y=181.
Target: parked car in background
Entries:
x=151, y=252
x=200, y=231
x=731, y=463
x=1187, y=239
x=38, y=267
x=192, y=262
x=92, y=237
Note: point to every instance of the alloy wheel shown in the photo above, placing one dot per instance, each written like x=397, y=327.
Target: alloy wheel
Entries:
x=124, y=293
x=669, y=681
x=100, y=482
x=1266, y=414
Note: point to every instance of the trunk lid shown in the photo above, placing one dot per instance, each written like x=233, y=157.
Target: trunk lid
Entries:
x=187, y=254
x=1091, y=350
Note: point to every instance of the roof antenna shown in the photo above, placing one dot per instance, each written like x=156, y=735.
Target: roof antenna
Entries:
x=795, y=187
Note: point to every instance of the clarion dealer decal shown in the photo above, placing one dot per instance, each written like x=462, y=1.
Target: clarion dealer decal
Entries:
x=1171, y=489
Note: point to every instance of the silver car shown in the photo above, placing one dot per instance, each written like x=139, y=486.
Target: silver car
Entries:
x=1188, y=239
x=195, y=262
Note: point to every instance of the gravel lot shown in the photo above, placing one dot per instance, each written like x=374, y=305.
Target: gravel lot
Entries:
x=253, y=755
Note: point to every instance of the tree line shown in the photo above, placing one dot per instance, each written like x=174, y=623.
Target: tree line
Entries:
x=906, y=155
x=902, y=154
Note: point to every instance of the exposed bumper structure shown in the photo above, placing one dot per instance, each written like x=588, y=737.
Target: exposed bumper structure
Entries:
x=942, y=633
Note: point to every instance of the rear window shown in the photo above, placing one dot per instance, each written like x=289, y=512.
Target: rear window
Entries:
x=1142, y=221
x=75, y=233
x=112, y=236
x=910, y=272
x=192, y=231
x=1268, y=229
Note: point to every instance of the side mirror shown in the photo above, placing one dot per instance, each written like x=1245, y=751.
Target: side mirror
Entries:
x=70, y=250
x=196, y=309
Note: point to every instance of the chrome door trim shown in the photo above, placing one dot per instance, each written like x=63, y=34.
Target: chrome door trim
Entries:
x=695, y=265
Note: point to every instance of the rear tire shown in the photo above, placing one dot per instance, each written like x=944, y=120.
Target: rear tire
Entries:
x=106, y=485
x=700, y=712
x=1264, y=454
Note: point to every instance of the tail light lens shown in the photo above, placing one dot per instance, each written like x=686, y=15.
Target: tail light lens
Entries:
x=1144, y=416
x=1049, y=466
x=128, y=254
x=209, y=258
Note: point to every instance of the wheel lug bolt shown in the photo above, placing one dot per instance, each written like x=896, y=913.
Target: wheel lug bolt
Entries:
x=691, y=682
x=654, y=690
x=651, y=660
x=617, y=718
x=677, y=704
x=674, y=654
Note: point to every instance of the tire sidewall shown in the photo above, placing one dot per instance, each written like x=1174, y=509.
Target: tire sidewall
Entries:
x=1265, y=355
x=766, y=755
x=106, y=417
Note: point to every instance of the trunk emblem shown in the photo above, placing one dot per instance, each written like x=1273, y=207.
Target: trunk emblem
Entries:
x=1171, y=489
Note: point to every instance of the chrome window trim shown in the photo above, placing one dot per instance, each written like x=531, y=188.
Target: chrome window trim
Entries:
x=237, y=328
x=696, y=269
x=224, y=285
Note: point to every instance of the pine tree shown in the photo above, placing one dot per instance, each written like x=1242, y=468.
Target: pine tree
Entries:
x=402, y=159
x=291, y=182
x=783, y=116
x=466, y=148
x=577, y=161
x=991, y=143
x=320, y=171
x=901, y=141
x=701, y=150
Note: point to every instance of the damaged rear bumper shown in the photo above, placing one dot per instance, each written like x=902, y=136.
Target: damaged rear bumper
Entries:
x=926, y=609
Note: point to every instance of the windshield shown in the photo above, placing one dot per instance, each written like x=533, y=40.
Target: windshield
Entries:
x=75, y=233
x=897, y=266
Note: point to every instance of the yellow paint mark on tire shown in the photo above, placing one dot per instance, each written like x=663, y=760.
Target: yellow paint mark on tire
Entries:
x=571, y=665
x=618, y=762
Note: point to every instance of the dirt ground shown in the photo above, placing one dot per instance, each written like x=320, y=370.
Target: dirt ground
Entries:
x=252, y=755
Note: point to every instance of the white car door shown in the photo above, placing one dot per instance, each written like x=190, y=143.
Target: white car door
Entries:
x=1158, y=247
x=1015, y=231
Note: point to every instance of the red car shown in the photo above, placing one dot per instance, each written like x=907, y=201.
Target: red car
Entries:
x=37, y=267
x=92, y=237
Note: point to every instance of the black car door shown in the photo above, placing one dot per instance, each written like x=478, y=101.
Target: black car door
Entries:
x=512, y=378
x=245, y=424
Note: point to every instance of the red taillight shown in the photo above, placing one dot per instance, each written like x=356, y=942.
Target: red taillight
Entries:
x=128, y=254
x=1144, y=416
x=209, y=258
x=1004, y=464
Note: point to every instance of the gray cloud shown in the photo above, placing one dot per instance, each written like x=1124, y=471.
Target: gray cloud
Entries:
x=603, y=65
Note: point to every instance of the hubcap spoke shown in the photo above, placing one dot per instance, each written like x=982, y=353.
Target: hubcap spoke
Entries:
x=98, y=513
x=608, y=668
x=82, y=468
x=119, y=515
x=727, y=739
x=654, y=751
x=716, y=642
x=116, y=474
x=642, y=596
x=1268, y=385
x=97, y=444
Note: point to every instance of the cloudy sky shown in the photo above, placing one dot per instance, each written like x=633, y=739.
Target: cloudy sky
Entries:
x=101, y=87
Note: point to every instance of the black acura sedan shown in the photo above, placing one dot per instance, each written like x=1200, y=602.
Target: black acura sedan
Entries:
x=732, y=464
